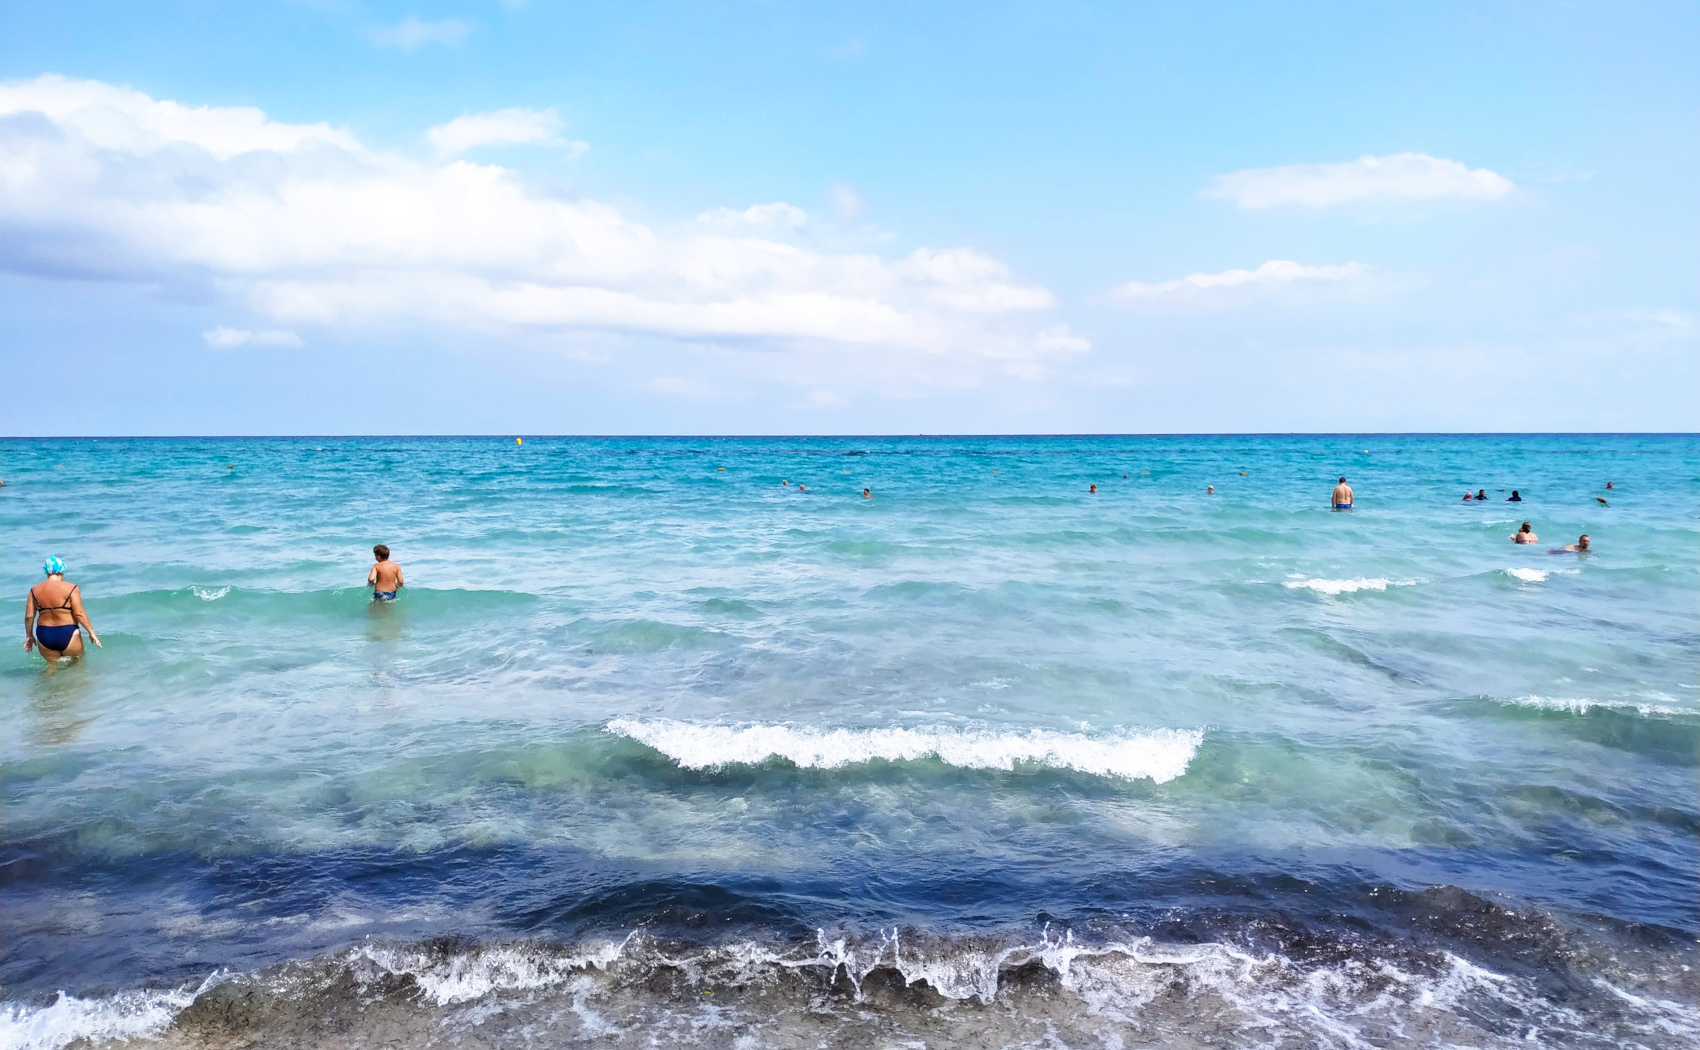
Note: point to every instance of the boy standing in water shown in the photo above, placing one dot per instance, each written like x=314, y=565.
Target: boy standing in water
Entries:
x=385, y=576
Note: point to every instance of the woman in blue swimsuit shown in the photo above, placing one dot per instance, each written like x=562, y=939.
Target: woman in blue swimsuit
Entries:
x=53, y=615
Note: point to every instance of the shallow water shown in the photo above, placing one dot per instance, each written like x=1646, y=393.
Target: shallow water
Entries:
x=674, y=752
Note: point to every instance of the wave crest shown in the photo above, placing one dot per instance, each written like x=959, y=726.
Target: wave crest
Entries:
x=1332, y=587
x=142, y=1014
x=1158, y=755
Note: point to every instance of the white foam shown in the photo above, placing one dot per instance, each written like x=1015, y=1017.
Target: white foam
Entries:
x=464, y=977
x=210, y=594
x=1159, y=755
x=125, y=1016
x=1332, y=587
x=1582, y=705
x=1529, y=575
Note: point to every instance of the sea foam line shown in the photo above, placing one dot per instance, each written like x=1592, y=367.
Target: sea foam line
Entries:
x=1159, y=755
x=1582, y=705
x=1347, y=586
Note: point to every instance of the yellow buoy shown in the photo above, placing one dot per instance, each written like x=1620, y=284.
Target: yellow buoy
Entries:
x=517, y=441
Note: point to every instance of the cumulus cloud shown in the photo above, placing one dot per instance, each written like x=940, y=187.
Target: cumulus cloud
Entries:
x=1409, y=176
x=303, y=226
x=411, y=34
x=1272, y=274
x=538, y=127
x=230, y=338
x=775, y=216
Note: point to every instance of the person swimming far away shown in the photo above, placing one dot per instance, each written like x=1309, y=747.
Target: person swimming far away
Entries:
x=1526, y=534
x=1481, y=495
x=867, y=495
x=1342, y=498
x=385, y=575
x=1581, y=546
x=54, y=617
x=1515, y=497
x=1094, y=487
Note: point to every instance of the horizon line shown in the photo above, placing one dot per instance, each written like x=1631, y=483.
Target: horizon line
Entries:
x=847, y=436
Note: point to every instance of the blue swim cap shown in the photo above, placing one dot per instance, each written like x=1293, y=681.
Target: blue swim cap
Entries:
x=53, y=566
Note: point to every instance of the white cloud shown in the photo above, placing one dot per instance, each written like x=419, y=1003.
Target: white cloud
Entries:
x=539, y=127
x=410, y=33
x=118, y=121
x=1410, y=176
x=231, y=338
x=306, y=228
x=775, y=216
x=1274, y=273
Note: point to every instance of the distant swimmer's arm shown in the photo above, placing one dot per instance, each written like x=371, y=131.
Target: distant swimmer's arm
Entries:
x=399, y=582
x=372, y=576
x=29, y=621
x=82, y=617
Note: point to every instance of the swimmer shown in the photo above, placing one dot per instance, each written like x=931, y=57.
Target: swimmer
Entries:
x=385, y=576
x=1468, y=497
x=802, y=487
x=784, y=484
x=1608, y=485
x=1601, y=500
x=1526, y=534
x=1094, y=487
x=54, y=617
x=1515, y=496
x=1342, y=496
x=867, y=495
x=1210, y=490
x=1581, y=546
x=1481, y=495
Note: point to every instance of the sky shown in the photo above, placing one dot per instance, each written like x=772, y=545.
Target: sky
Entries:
x=458, y=216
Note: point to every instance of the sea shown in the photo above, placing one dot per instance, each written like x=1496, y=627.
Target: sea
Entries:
x=855, y=742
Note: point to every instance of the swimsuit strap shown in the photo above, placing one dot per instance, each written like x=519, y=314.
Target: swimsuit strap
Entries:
x=39, y=604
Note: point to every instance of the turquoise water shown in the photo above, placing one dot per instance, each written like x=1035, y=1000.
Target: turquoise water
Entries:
x=641, y=684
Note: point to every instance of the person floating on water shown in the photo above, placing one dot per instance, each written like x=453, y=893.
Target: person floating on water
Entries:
x=1515, y=496
x=867, y=495
x=385, y=576
x=1468, y=497
x=1342, y=496
x=1481, y=495
x=1608, y=485
x=1526, y=534
x=1581, y=546
x=53, y=615
x=1094, y=487
x=1210, y=490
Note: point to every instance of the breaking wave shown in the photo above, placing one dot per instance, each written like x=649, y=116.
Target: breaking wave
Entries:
x=1583, y=705
x=210, y=594
x=1159, y=755
x=899, y=989
x=69, y=1019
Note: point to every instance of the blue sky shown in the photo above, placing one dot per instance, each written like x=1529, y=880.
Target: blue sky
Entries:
x=329, y=217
